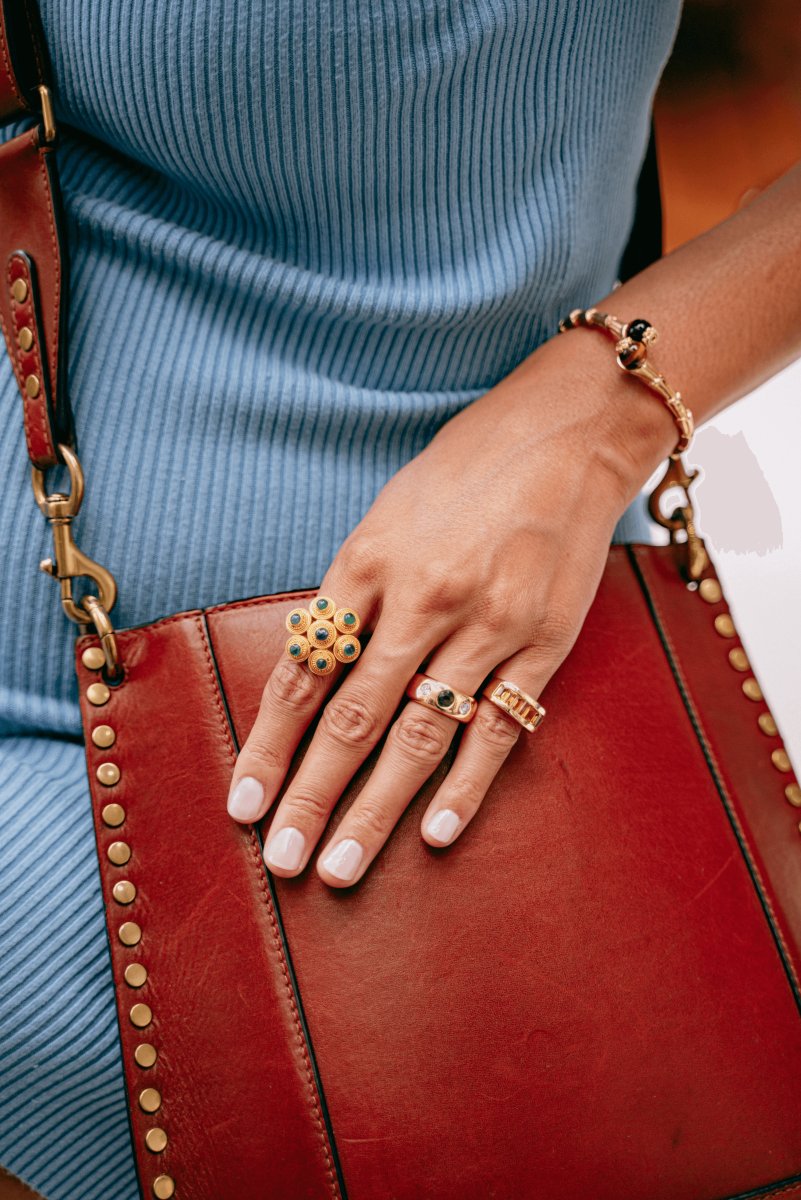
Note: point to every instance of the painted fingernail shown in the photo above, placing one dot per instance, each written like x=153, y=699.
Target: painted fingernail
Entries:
x=443, y=825
x=286, y=849
x=343, y=859
x=245, y=801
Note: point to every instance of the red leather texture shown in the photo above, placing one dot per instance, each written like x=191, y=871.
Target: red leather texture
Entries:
x=589, y=996
x=29, y=221
x=239, y=1102
x=12, y=100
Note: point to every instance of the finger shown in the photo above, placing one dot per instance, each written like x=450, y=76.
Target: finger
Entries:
x=484, y=747
x=291, y=698
x=351, y=724
x=415, y=746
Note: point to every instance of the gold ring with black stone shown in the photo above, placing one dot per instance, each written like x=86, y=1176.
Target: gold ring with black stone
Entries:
x=323, y=635
x=433, y=693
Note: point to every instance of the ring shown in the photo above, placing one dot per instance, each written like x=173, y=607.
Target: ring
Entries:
x=441, y=696
x=514, y=701
x=323, y=635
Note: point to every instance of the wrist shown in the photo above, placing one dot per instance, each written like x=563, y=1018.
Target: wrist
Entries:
x=630, y=429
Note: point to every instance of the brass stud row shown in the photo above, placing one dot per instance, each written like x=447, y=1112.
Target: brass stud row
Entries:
x=711, y=592
x=32, y=383
x=130, y=933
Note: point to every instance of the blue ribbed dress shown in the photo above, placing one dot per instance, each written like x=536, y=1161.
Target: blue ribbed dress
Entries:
x=303, y=234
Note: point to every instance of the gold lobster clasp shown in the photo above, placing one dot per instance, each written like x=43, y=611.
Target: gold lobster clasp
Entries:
x=681, y=522
x=69, y=562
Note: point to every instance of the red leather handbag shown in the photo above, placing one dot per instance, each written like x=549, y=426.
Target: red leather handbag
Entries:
x=610, y=1013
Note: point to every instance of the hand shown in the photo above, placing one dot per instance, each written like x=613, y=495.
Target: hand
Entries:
x=479, y=557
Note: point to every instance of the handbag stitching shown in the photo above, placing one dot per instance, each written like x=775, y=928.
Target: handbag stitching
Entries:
x=264, y=888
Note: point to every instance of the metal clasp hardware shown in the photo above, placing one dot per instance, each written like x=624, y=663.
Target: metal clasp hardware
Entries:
x=681, y=522
x=48, y=115
x=70, y=562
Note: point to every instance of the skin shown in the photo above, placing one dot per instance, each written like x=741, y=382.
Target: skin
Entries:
x=499, y=580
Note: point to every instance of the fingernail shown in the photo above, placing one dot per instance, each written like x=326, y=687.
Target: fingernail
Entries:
x=343, y=859
x=286, y=849
x=245, y=801
x=443, y=825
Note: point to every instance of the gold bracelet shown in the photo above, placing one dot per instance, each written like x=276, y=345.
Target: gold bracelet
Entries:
x=632, y=342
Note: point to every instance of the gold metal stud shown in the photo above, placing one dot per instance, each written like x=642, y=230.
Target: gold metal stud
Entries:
x=321, y=662
x=346, y=648
x=145, y=1055
x=156, y=1140
x=321, y=634
x=32, y=385
x=163, y=1187
x=19, y=290
x=767, y=724
x=739, y=659
x=298, y=620
x=124, y=892
x=113, y=815
x=793, y=794
x=710, y=591
x=752, y=689
x=25, y=337
x=108, y=774
x=149, y=1100
x=93, y=658
x=97, y=694
x=136, y=975
x=297, y=647
x=119, y=853
x=347, y=621
x=103, y=736
x=725, y=626
x=781, y=761
x=141, y=1015
x=130, y=933
x=322, y=607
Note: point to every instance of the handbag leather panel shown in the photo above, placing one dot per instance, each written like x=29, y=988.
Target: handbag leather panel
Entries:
x=583, y=996
x=239, y=1103
x=740, y=753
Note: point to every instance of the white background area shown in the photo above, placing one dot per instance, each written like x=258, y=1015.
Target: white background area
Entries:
x=749, y=510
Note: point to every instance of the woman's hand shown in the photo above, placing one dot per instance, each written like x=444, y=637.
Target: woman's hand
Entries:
x=480, y=557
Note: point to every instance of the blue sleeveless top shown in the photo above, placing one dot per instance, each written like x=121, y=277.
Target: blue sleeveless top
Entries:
x=303, y=234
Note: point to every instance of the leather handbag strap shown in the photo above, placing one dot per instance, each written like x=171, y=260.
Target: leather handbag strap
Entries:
x=32, y=249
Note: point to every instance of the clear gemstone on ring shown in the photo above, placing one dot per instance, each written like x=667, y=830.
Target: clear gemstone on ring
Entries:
x=464, y=707
x=424, y=689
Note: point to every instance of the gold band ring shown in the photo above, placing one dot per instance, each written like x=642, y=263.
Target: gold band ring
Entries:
x=323, y=635
x=441, y=696
x=513, y=700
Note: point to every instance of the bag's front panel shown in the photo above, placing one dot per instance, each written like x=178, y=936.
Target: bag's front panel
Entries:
x=582, y=997
x=742, y=740
x=222, y=1090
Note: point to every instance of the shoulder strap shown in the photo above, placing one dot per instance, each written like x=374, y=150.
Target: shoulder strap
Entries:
x=32, y=249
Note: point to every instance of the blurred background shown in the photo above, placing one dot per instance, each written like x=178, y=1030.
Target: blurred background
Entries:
x=728, y=122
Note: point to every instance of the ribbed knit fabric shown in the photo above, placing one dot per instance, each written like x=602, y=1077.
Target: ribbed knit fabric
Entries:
x=303, y=235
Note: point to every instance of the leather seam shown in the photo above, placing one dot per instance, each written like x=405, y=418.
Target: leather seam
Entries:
x=12, y=78
x=258, y=864
x=53, y=356
x=693, y=712
x=267, y=601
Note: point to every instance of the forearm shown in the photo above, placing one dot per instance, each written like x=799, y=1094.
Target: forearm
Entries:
x=727, y=307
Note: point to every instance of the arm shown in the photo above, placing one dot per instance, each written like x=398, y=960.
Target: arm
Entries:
x=483, y=554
